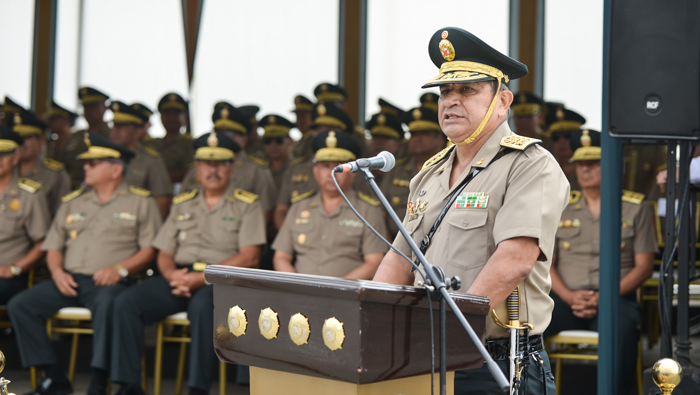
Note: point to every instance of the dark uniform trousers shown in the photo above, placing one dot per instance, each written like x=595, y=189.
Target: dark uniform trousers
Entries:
x=563, y=319
x=480, y=381
x=30, y=309
x=11, y=286
x=150, y=302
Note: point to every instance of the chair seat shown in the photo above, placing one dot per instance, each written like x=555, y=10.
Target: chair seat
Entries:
x=575, y=337
x=177, y=317
x=74, y=313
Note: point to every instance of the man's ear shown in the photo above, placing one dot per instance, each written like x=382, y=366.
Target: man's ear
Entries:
x=505, y=99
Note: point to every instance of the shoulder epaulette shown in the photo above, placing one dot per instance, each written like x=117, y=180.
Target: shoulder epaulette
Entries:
x=519, y=143
x=632, y=197
x=298, y=160
x=403, y=160
x=360, y=130
x=245, y=196
x=186, y=136
x=28, y=185
x=437, y=158
x=303, y=196
x=368, y=199
x=53, y=164
x=183, y=197
x=151, y=152
x=574, y=197
x=139, y=191
x=260, y=162
x=67, y=198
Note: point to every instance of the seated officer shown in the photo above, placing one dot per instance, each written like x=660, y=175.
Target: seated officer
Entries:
x=24, y=219
x=174, y=147
x=60, y=121
x=527, y=114
x=575, y=266
x=101, y=235
x=387, y=132
x=302, y=110
x=562, y=124
x=213, y=224
x=48, y=172
x=322, y=233
x=277, y=145
x=142, y=130
x=147, y=170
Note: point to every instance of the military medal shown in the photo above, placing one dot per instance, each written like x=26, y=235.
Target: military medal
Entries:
x=567, y=223
x=576, y=223
x=182, y=235
x=14, y=204
x=299, y=329
x=411, y=208
x=472, y=200
x=268, y=323
x=566, y=245
x=333, y=334
x=305, y=214
x=73, y=234
x=237, y=321
x=422, y=205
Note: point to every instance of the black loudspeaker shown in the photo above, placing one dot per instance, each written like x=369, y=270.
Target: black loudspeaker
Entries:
x=654, y=79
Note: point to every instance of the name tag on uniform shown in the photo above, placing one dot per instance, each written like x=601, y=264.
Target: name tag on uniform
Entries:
x=126, y=216
x=184, y=217
x=75, y=217
x=397, y=182
x=352, y=223
x=472, y=200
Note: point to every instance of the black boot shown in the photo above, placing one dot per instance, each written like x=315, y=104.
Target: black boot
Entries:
x=98, y=383
x=130, y=389
x=197, y=391
x=49, y=386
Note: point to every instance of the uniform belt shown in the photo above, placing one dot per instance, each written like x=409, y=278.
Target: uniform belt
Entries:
x=500, y=348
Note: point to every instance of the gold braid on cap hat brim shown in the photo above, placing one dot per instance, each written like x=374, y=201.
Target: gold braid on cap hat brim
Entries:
x=227, y=124
x=334, y=155
x=121, y=118
x=526, y=109
x=213, y=153
x=275, y=131
x=423, y=126
x=27, y=130
x=8, y=146
x=99, y=153
x=89, y=99
x=585, y=153
x=564, y=126
x=386, y=131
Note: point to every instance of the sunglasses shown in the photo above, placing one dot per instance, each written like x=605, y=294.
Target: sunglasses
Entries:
x=556, y=136
x=277, y=140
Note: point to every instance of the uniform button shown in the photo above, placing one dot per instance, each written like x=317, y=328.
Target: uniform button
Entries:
x=323, y=237
x=464, y=223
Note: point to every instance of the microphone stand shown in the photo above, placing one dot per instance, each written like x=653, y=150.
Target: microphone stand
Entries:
x=438, y=290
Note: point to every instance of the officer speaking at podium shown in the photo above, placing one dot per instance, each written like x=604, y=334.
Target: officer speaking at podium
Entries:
x=499, y=233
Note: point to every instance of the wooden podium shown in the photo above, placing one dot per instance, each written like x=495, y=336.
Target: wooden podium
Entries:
x=315, y=335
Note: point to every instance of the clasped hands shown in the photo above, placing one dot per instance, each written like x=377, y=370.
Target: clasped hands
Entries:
x=584, y=303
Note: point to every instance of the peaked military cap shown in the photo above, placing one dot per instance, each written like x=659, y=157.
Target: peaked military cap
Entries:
x=143, y=110
x=88, y=95
x=563, y=120
x=301, y=103
x=215, y=146
x=125, y=114
x=329, y=92
x=328, y=114
x=422, y=119
x=386, y=125
x=9, y=140
x=430, y=100
x=275, y=126
x=172, y=100
x=227, y=117
x=549, y=107
x=57, y=111
x=250, y=111
x=26, y=124
x=103, y=148
x=586, y=145
x=387, y=108
x=334, y=147
x=11, y=107
x=526, y=104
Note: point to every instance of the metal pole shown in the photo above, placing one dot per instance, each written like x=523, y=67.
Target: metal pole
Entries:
x=443, y=346
x=684, y=218
x=666, y=276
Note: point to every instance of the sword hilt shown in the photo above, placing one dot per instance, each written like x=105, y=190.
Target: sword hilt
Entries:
x=513, y=307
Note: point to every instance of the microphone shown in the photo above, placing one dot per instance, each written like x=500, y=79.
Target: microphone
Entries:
x=384, y=161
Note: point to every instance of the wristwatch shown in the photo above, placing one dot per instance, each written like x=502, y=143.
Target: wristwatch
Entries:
x=16, y=270
x=122, y=271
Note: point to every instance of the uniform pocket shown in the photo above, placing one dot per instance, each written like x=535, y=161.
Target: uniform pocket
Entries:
x=468, y=240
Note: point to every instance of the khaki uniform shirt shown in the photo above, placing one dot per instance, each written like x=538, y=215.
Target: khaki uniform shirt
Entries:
x=93, y=236
x=54, y=179
x=302, y=147
x=330, y=245
x=196, y=234
x=24, y=220
x=177, y=153
x=395, y=188
x=578, y=242
x=520, y=195
x=75, y=146
x=247, y=175
x=147, y=170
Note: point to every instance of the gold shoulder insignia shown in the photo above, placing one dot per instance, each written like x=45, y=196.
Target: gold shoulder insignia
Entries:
x=183, y=197
x=360, y=130
x=53, y=164
x=151, y=152
x=67, y=198
x=260, y=162
x=519, y=143
x=245, y=196
x=187, y=136
x=574, y=197
x=28, y=185
x=303, y=196
x=632, y=197
x=139, y=191
x=403, y=160
x=437, y=158
x=368, y=199
x=298, y=160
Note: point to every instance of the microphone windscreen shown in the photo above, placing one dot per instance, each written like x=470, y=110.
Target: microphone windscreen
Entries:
x=389, y=161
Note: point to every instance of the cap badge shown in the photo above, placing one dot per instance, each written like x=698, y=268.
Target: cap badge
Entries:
x=18, y=119
x=585, y=139
x=297, y=100
x=115, y=107
x=212, y=140
x=321, y=110
x=331, y=141
x=172, y=97
x=417, y=114
x=87, y=139
x=83, y=91
x=522, y=97
x=381, y=119
x=560, y=114
x=324, y=87
x=446, y=48
x=272, y=119
x=224, y=113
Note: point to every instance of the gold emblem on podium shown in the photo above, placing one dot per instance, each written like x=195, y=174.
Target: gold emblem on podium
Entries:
x=299, y=329
x=333, y=333
x=237, y=323
x=268, y=323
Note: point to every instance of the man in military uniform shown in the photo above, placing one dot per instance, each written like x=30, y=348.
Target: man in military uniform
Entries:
x=331, y=94
x=253, y=145
x=142, y=130
x=175, y=148
x=322, y=233
x=527, y=114
x=101, y=235
x=426, y=141
x=387, y=108
x=387, y=132
x=277, y=144
x=302, y=110
x=499, y=232
x=213, y=224
x=147, y=169
x=48, y=172
x=8, y=110
x=60, y=121
x=562, y=123
x=24, y=219
x=94, y=106
x=576, y=266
